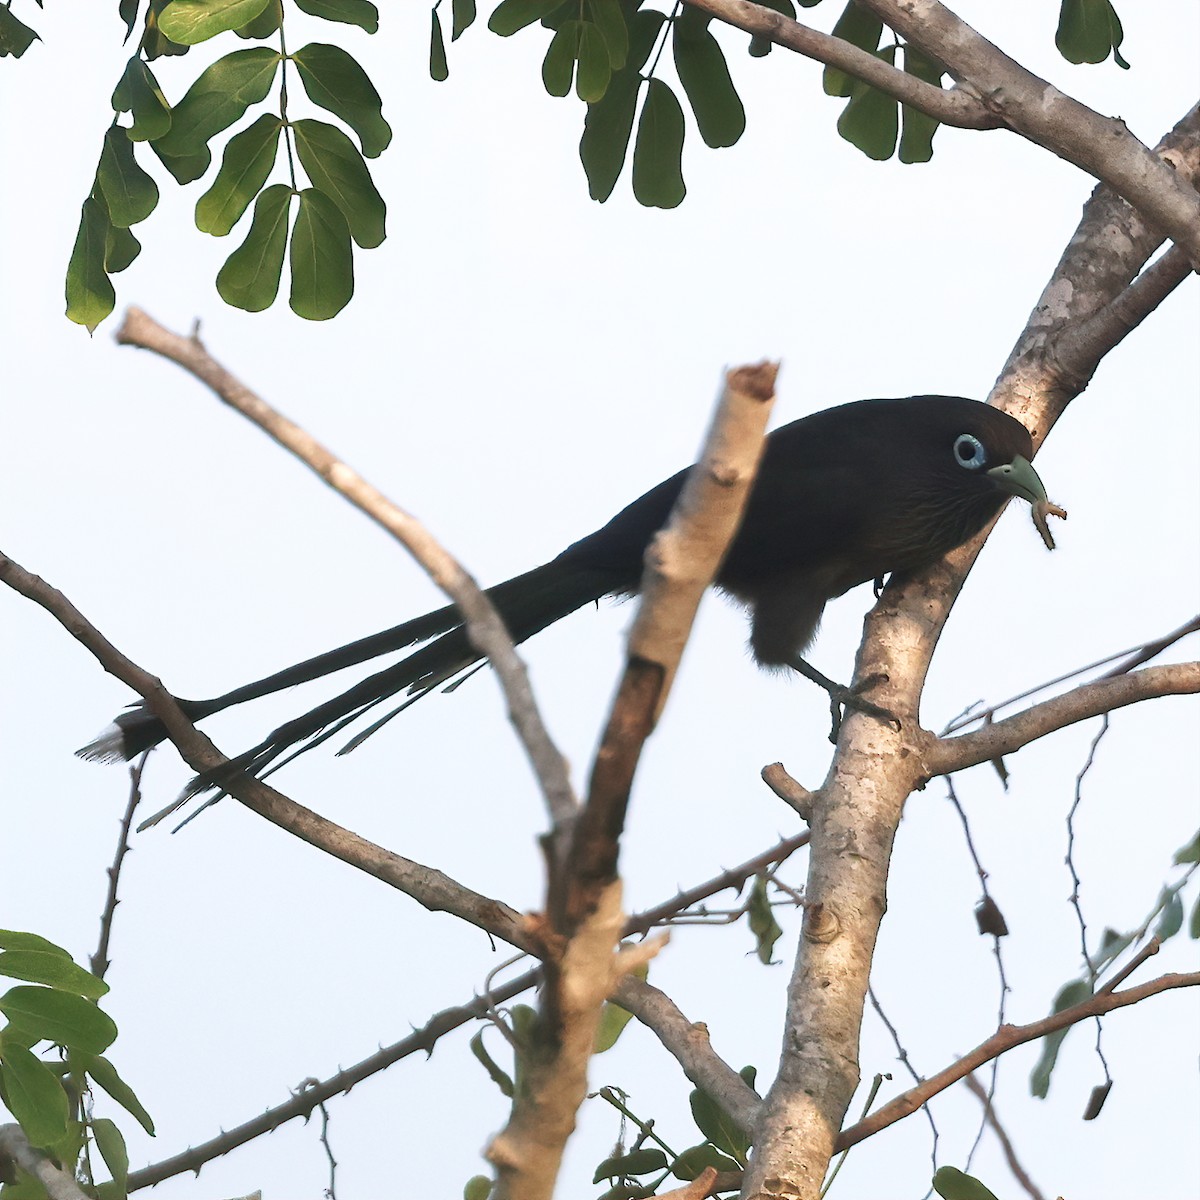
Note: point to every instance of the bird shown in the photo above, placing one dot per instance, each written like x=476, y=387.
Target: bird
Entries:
x=855, y=493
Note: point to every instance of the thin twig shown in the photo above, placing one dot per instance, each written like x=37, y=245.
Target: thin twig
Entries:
x=99, y=962
x=1010, y=1155
x=1006, y=1039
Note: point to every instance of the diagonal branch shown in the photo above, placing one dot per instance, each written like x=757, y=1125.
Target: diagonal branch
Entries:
x=946, y=755
x=583, y=896
x=950, y=106
x=484, y=627
x=1004, y=1039
x=429, y=887
x=1079, y=349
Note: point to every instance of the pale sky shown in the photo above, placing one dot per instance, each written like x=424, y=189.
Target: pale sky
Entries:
x=518, y=363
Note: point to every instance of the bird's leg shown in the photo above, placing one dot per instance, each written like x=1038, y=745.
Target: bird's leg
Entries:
x=841, y=697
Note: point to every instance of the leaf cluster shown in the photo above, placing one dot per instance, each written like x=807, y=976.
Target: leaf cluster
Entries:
x=316, y=226
x=57, y=1005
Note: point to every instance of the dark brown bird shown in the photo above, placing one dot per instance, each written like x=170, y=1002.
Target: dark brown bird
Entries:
x=851, y=494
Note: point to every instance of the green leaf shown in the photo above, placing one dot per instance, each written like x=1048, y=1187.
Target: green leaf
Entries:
x=762, y=921
x=16, y=939
x=245, y=167
x=609, y=18
x=336, y=82
x=362, y=13
x=249, y=280
x=860, y=28
x=513, y=15
x=613, y=1019
x=871, y=120
x=112, y=1150
x=59, y=1017
x=104, y=1075
x=321, y=258
x=15, y=36
x=265, y=24
x=138, y=92
x=190, y=22
x=1171, y=921
x=716, y=1125
x=439, y=68
x=218, y=98
x=33, y=1094
x=154, y=43
x=185, y=167
x=478, y=1187
x=591, y=79
x=637, y=1162
x=951, y=1184
x=1086, y=30
x=496, y=1073
x=1194, y=921
x=917, y=129
x=704, y=73
x=1189, y=853
x=658, y=151
x=559, y=64
x=1039, y=1080
x=694, y=1160
x=129, y=193
x=609, y=122
x=127, y=10
x=462, y=18
x=336, y=169
x=51, y=968
x=120, y=249
x=90, y=295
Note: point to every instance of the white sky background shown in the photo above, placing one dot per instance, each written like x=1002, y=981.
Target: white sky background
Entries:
x=518, y=364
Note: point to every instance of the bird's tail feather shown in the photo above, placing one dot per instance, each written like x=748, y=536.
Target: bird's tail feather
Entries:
x=527, y=603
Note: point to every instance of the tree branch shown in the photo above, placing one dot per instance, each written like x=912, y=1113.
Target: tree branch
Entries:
x=430, y=888
x=1079, y=349
x=99, y=962
x=949, y=105
x=484, y=627
x=1004, y=1039
x=1102, y=146
x=1010, y=1155
x=856, y=811
x=583, y=918
x=946, y=755
x=15, y=1149
x=689, y=1044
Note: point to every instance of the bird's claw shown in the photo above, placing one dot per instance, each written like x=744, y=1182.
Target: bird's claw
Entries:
x=842, y=697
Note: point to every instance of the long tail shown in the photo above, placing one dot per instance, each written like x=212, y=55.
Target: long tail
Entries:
x=527, y=603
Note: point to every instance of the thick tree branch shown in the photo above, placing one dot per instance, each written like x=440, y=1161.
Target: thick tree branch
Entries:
x=856, y=811
x=1102, y=146
x=485, y=629
x=1004, y=1039
x=949, y=105
x=583, y=915
x=430, y=888
x=947, y=755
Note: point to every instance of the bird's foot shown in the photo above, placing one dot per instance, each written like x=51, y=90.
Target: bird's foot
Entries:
x=842, y=697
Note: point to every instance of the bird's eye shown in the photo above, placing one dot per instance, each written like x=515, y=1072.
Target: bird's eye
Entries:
x=969, y=452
